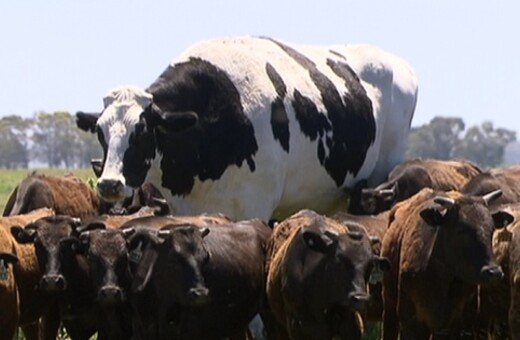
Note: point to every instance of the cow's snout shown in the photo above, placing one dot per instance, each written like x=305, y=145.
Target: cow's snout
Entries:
x=358, y=301
x=199, y=295
x=53, y=283
x=111, y=189
x=111, y=294
x=491, y=273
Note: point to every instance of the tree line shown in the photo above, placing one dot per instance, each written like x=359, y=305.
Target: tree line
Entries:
x=49, y=139
x=54, y=141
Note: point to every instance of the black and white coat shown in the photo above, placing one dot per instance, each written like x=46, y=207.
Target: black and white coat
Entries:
x=255, y=127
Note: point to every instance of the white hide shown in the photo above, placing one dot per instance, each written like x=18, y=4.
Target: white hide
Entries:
x=282, y=182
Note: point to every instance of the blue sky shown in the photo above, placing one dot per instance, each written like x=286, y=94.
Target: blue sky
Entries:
x=65, y=55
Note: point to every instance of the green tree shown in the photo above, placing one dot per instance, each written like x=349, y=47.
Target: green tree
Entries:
x=437, y=139
x=14, y=142
x=55, y=139
x=485, y=144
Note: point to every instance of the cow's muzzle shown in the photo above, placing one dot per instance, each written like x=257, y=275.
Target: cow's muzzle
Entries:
x=111, y=190
x=53, y=283
x=111, y=294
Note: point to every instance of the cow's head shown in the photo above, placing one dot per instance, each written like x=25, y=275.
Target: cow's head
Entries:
x=125, y=130
x=108, y=261
x=48, y=235
x=464, y=227
x=347, y=261
x=180, y=251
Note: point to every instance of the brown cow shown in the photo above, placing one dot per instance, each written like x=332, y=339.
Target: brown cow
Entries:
x=69, y=195
x=8, y=296
x=316, y=282
x=505, y=179
x=22, y=305
x=439, y=246
x=410, y=177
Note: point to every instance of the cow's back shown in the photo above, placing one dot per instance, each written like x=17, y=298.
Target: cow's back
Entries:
x=66, y=195
x=285, y=92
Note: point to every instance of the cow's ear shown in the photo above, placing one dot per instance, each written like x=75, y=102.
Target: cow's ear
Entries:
x=173, y=121
x=434, y=214
x=320, y=242
x=8, y=258
x=204, y=232
x=147, y=258
x=23, y=236
x=87, y=121
x=502, y=219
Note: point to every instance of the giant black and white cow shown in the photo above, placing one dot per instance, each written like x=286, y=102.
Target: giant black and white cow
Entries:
x=256, y=127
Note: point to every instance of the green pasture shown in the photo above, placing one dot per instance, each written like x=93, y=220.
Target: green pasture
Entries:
x=9, y=179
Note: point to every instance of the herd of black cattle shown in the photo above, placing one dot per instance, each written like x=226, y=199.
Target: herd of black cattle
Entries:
x=432, y=252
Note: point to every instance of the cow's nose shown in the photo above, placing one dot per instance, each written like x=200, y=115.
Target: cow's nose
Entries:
x=358, y=301
x=109, y=188
x=52, y=283
x=198, y=295
x=111, y=294
x=489, y=273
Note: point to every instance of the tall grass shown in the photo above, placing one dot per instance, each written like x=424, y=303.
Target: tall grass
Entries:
x=9, y=179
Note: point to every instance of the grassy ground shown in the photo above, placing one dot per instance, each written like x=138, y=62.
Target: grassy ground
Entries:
x=9, y=179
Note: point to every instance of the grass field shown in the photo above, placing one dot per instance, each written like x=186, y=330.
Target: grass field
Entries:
x=9, y=179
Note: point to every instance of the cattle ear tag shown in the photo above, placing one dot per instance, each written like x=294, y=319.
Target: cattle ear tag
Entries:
x=4, y=274
x=136, y=254
x=376, y=275
x=504, y=235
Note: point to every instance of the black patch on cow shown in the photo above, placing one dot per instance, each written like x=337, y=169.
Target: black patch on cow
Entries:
x=140, y=153
x=223, y=135
x=351, y=117
x=337, y=54
x=279, y=120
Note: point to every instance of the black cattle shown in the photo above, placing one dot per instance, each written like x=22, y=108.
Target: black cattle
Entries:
x=207, y=281
x=376, y=227
x=318, y=273
x=65, y=275
x=109, y=269
x=407, y=179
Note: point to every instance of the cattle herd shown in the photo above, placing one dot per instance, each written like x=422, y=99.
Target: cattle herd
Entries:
x=257, y=190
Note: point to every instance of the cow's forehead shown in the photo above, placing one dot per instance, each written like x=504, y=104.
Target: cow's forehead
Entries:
x=124, y=106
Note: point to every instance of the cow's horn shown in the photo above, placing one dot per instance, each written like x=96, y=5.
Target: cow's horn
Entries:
x=163, y=233
x=446, y=202
x=128, y=232
x=386, y=191
x=493, y=195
